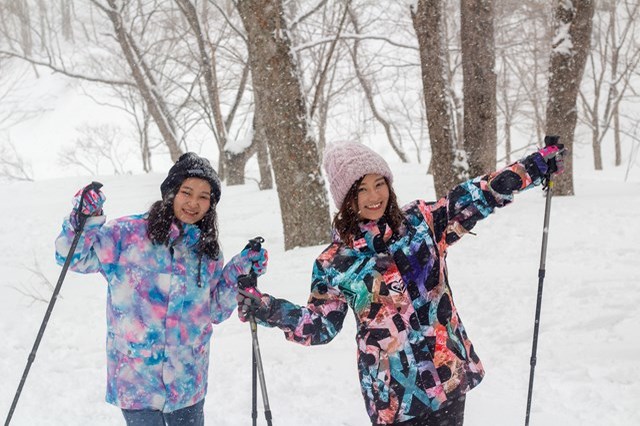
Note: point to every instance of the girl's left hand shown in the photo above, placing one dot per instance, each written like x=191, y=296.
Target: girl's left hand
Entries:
x=258, y=259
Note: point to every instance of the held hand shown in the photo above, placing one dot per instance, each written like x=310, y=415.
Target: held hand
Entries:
x=249, y=300
x=89, y=204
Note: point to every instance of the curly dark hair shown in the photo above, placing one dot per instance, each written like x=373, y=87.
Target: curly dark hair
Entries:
x=345, y=222
x=161, y=217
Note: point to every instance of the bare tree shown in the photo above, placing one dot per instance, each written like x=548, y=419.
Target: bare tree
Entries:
x=234, y=155
x=319, y=49
x=522, y=40
x=478, y=69
x=303, y=200
x=97, y=145
x=260, y=142
x=573, y=21
x=428, y=24
x=13, y=165
x=66, y=12
x=368, y=91
x=207, y=62
x=41, y=290
x=19, y=9
x=452, y=60
x=128, y=100
x=612, y=61
x=142, y=74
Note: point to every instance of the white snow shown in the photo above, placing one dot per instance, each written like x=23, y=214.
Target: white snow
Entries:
x=587, y=371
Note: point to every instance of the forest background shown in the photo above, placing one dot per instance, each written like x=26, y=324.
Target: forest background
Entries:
x=459, y=87
x=116, y=90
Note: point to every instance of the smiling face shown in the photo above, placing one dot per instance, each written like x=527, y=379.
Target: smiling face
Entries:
x=373, y=197
x=192, y=201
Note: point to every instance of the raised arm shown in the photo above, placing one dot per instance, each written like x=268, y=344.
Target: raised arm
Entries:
x=457, y=213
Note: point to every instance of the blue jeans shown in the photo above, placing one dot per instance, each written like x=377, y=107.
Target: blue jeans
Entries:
x=188, y=416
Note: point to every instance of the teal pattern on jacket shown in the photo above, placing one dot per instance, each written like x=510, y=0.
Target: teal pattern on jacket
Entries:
x=414, y=354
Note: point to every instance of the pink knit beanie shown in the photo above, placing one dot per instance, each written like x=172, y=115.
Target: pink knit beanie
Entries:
x=347, y=162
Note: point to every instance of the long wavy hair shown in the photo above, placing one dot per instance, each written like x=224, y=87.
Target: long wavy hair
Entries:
x=161, y=217
x=346, y=220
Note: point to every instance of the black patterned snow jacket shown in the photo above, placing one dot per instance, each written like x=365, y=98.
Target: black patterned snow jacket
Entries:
x=413, y=351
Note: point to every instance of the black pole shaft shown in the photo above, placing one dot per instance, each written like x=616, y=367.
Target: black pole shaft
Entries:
x=254, y=387
x=82, y=219
x=541, y=273
x=258, y=358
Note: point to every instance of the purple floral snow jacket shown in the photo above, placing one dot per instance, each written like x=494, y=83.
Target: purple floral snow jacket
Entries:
x=158, y=317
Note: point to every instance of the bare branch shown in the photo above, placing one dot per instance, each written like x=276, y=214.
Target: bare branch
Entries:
x=323, y=72
x=12, y=165
x=301, y=18
x=32, y=291
x=354, y=37
x=63, y=71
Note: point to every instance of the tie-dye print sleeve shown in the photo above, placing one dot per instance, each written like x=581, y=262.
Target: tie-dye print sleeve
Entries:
x=223, y=290
x=96, y=247
x=458, y=212
x=316, y=323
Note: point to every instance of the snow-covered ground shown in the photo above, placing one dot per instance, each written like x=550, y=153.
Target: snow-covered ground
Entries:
x=587, y=371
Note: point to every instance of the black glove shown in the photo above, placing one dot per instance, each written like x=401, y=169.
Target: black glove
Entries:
x=249, y=300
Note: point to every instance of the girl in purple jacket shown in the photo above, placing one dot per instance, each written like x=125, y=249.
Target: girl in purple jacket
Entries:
x=166, y=287
x=415, y=360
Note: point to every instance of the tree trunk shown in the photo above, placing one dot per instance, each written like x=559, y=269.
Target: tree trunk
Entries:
x=301, y=192
x=597, y=150
x=235, y=164
x=616, y=136
x=260, y=142
x=145, y=149
x=427, y=22
x=20, y=9
x=67, y=27
x=614, y=90
x=573, y=21
x=368, y=92
x=479, y=85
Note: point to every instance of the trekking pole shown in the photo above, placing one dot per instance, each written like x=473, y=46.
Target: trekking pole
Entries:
x=548, y=141
x=82, y=218
x=254, y=387
x=247, y=282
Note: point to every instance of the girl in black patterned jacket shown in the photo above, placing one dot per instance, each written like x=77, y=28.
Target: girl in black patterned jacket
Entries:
x=415, y=360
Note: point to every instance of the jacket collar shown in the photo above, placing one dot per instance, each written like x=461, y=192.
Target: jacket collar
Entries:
x=373, y=235
x=183, y=233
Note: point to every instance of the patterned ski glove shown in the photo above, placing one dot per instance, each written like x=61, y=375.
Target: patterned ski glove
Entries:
x=91, y=202
x=251, y=300
x=545, y=162
x=258, y=258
